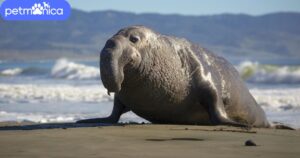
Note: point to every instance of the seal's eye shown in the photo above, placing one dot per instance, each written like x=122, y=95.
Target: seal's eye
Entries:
x=134, y=39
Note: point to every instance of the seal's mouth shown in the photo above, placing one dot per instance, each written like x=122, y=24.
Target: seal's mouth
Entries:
x=111, y=81
x=112, y=86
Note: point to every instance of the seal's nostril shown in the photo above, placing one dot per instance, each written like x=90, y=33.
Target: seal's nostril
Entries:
x=110, y=44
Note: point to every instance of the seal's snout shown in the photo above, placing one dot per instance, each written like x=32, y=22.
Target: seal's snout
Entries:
x=110, y=44
x=111, y=71
x=116, y=54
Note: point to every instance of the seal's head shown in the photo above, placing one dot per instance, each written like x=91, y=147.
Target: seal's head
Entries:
x=120, y=51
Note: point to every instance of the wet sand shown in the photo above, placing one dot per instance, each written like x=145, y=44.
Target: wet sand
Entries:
x=146, y=141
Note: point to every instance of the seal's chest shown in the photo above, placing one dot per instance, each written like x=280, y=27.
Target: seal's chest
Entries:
x=159, y=107
x=167, y=111
x=152, y=97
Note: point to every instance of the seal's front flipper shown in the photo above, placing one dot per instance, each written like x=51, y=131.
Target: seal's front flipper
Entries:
x=225, y=121
x=218, y=119
x=118, y=110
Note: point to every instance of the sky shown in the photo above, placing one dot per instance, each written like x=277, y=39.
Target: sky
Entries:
x=190, y=7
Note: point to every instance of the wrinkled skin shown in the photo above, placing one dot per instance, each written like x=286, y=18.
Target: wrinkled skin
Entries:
x=171, y=80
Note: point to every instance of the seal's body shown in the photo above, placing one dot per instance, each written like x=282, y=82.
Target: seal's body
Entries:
x=170, y=80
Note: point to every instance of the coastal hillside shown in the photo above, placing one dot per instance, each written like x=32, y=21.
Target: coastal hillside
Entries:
x=271, y=36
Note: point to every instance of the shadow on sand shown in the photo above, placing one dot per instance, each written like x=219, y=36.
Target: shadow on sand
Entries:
x=54, y=126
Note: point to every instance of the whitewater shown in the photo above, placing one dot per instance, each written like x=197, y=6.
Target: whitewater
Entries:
x=66, y=91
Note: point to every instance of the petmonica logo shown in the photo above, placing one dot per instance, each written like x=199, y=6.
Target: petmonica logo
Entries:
x=35, y=10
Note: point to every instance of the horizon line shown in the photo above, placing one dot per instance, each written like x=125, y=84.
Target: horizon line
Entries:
x=180, y=14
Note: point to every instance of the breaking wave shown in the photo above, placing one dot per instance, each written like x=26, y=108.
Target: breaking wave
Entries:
x=62, y=68
x=26, y=71
x=254, y=72
x=11, y=72
x=71, y=70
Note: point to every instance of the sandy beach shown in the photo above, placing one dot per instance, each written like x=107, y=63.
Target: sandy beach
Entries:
x=146, y=140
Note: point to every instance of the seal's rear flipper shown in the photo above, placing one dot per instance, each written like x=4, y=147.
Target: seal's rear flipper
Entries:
x=278, y=125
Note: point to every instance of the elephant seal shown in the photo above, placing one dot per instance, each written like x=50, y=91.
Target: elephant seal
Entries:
x=170, y=80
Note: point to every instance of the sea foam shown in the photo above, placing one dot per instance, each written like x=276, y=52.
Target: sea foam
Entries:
x=277, y=98
x=34, y=93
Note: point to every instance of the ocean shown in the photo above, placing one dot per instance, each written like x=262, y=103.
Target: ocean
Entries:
x=66, y=91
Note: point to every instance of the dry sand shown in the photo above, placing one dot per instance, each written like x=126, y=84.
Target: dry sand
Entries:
x=148, y=141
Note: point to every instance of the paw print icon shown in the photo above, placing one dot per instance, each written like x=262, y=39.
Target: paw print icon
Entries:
x=37, y=9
